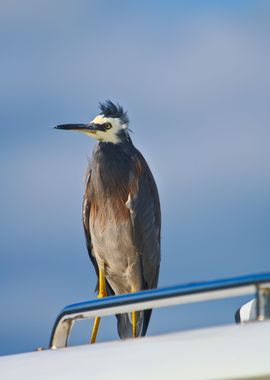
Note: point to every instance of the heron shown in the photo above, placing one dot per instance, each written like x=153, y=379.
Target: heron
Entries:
x=121, y=215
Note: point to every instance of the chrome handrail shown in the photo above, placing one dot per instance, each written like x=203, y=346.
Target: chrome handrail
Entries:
x=167, y=296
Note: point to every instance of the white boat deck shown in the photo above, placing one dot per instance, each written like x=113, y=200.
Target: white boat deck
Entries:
x=227, y=352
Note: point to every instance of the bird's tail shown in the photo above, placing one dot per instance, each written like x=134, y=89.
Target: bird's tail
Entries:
x=124, y=321
x=124, y=324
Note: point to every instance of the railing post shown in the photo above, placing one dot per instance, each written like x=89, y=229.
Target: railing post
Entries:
x=62, y=333
x=263, y=302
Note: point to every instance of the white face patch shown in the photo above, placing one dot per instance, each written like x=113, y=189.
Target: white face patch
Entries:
x=110, y=135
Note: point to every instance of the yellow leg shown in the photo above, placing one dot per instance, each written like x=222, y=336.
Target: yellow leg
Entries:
x=95, y=330
x=101, y=293
x=134, y=322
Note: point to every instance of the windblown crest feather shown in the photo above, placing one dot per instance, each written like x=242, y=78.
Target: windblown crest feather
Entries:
x=109, y=109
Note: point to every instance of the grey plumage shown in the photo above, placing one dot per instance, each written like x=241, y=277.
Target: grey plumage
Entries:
x=121, y=217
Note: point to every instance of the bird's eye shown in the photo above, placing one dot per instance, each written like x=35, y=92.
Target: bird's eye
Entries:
x=108, y=126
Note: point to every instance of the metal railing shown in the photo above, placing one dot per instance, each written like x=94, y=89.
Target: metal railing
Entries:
x=173, y=295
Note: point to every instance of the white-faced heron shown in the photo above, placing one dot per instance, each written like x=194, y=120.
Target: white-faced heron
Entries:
x=121, y=215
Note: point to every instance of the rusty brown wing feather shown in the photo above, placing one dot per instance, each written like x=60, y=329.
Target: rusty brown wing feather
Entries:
x=86, y=214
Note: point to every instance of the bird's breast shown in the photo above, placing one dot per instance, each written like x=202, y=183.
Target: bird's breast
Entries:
x=110, y=189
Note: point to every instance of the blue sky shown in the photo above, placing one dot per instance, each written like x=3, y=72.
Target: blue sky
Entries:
x=194, y=77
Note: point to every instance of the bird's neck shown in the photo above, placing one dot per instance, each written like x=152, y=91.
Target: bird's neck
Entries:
x=111, y=165
x=123, y=145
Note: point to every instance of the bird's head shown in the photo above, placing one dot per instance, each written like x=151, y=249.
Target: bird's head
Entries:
x=111, y=125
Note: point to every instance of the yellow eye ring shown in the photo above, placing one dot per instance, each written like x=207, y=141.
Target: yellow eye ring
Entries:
x=108, y=126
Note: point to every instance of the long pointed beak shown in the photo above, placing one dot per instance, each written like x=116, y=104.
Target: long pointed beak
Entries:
x=77, y=127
